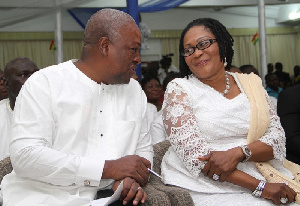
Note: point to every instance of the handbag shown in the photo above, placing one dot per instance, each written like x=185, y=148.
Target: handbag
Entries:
x=259, y=123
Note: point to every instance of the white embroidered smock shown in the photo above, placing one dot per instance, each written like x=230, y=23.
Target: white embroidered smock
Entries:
x=65, y=126
x=199, y=119
x=6, y=114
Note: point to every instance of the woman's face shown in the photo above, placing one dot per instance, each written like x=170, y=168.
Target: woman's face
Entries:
x=153, y=90
x=205, y=64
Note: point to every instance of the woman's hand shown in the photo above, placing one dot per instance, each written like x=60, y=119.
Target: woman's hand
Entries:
x=276, y=191
x=131, y=189
x=222, y=163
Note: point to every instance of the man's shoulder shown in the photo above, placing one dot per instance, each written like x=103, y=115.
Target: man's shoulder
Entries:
x=55, y=72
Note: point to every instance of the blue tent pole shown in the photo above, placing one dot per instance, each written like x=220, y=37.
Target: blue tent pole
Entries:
x=133, y=10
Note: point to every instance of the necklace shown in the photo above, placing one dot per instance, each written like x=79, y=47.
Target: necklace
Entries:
x=227, y=85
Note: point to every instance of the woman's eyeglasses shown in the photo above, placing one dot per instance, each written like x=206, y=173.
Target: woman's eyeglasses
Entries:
x=201, y=46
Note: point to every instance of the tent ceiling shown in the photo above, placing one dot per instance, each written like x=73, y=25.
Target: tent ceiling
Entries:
x=16, y=11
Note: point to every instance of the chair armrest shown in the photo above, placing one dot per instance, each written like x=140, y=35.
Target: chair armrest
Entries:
x=155, y=197
x=159, y=152
x=177, y=195
x=5, y=168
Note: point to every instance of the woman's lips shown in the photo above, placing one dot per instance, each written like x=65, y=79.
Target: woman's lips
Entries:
x=201, y=63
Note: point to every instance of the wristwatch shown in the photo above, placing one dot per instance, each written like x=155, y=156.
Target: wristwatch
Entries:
x=247, y=152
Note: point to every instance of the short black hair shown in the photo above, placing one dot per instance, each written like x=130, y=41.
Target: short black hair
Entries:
x=224, y=39
x=169, y=78
x=147, y=79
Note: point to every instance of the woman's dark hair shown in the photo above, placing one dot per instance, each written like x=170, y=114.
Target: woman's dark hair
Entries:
x=147, y=79
x=224, y=39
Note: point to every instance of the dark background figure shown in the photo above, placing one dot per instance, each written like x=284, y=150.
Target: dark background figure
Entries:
x=288, y=108
x=283, y=77
x=233, y=69
x=273, y=88
x=16, y=73
x=3, y=91
x=270, y=68
x=296, y=76
x=248, y=68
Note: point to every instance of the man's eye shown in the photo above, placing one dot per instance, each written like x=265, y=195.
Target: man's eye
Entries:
x=134, y=50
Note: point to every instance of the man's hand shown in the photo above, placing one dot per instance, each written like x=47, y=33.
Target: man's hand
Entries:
x=131, y=189
x=132, y=166
x=221, y=163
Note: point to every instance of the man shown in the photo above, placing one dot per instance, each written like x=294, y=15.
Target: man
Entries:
x=248, y=68
x=3, y=92
x=273, y=88
x=16, y=72
x=288, y=108
x=283, y=77
x=81, y=126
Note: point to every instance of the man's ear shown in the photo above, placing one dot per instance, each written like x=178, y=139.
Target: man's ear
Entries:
x=103, y=45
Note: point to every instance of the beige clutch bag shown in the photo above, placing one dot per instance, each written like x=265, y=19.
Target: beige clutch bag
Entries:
x=274, y=176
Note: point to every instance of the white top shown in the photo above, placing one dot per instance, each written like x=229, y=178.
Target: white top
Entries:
x=151, y=113
x=198, y=119
x=161, y=74
x=5, y=123
x=65, y=127
x=157, y=129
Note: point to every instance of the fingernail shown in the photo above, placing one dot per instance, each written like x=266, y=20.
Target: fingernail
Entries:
x=135, y=202
x=124, y=203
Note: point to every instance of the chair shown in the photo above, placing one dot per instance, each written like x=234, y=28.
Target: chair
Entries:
x=5, y=167
x=177, y=196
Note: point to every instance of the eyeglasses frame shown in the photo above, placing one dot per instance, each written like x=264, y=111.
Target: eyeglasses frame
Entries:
x=211, y=41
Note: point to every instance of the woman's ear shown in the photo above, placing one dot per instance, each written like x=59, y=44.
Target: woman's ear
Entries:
x=103, y=45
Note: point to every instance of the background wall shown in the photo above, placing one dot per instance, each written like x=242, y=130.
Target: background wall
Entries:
x=32, y=38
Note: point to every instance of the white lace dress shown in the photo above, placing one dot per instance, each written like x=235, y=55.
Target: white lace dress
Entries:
x=198, y=119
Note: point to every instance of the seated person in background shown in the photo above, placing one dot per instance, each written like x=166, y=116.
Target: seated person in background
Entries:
x=151, y=109
x=234, y=69
x=248, y=68
x=273, y=88
x=296, y=76
x=153, y=90
x=81, y=126
x=283, y=77
x=208, y=117
x=157, y=129
x=270, y=68
x=288, y=109
x=3, y=91
x=16, y=73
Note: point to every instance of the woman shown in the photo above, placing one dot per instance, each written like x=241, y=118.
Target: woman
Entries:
x=207, y=119
x=153, y=90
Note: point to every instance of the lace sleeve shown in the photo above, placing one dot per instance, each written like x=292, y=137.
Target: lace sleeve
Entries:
x=275, y=136
x=182, y=129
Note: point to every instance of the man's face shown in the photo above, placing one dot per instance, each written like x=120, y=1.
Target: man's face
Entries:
x=125, y=54
x=3, y=91
x=17, y=76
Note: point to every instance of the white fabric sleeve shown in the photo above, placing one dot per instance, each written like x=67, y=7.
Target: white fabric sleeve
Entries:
x=182, y=129
x=33, y=132
x=144, y=146
x=275, y=135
